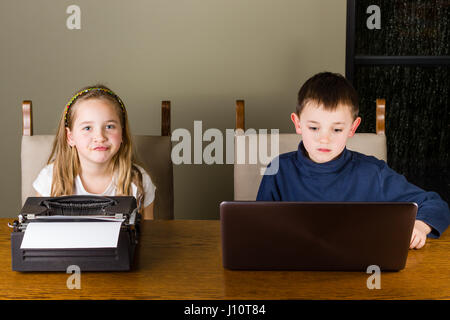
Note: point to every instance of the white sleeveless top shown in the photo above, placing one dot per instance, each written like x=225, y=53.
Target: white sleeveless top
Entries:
x=43, y=185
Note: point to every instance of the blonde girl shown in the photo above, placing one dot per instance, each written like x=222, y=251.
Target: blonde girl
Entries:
x=92, y=152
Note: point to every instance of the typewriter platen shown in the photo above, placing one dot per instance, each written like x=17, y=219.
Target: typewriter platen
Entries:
x=122, y=209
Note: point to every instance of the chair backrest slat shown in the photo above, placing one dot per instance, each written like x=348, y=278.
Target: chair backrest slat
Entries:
x=27, y=118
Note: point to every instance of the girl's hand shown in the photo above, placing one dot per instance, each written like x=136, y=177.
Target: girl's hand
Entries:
x=419, y=235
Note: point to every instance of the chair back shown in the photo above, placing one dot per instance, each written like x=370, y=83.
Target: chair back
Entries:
x=248, y=171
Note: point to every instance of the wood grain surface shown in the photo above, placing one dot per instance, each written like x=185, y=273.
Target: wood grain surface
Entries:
x=181, y=259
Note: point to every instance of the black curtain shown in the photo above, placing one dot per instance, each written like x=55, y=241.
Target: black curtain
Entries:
x=417, y=94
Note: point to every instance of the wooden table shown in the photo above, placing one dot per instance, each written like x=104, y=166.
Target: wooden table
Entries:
x=181, y=259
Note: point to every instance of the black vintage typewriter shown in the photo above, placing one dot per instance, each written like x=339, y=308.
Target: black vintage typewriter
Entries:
x=121, y=209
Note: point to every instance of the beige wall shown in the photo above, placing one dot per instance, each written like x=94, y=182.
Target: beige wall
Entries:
x=200, y=54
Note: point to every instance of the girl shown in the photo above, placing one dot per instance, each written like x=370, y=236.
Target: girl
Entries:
x=92, y=152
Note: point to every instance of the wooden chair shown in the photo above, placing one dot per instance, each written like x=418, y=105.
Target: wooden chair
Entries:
x=247, y=176
x=153, y=153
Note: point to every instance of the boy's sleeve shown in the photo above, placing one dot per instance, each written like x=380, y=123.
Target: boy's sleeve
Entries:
x=432, y=209
x=268, y=189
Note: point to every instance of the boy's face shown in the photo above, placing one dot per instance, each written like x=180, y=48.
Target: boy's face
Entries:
x=325, y=133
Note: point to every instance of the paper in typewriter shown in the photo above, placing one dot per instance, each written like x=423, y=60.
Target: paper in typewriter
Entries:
x=71, y=235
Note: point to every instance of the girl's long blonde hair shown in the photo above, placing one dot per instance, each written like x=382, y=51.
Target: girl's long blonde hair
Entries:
x=66, y=164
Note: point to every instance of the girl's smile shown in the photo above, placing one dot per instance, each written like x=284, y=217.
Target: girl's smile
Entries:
x=101, y=148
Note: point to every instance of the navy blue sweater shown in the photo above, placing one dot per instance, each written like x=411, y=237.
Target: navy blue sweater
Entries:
x=353, y=176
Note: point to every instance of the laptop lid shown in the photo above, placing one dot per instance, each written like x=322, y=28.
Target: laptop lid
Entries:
x=346, y=236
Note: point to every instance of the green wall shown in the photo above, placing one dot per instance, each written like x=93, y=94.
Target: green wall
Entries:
x=200, y=54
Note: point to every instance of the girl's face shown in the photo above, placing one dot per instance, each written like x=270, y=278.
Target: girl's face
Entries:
x=96, y=131
x=325, y=133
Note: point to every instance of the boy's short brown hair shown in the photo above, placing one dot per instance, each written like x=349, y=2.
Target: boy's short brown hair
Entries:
x=329, y=90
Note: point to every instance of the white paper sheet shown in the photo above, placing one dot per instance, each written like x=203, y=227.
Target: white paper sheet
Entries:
x=71, y=235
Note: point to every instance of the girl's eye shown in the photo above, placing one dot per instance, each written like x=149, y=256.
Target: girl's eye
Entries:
x=313, y=128
x=87, y=128
x=110, y=126
x=337, y=130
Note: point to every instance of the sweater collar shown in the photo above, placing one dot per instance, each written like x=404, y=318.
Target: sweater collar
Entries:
x=332, y=166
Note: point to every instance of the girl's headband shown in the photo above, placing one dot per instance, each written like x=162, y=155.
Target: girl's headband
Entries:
x=82, y=92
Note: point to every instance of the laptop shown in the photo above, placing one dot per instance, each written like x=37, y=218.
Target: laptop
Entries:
x=323, y=236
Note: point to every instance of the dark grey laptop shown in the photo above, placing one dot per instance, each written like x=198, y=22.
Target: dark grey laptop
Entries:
x=346, y=236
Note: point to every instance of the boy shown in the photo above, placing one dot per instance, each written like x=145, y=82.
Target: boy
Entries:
x=322, y=169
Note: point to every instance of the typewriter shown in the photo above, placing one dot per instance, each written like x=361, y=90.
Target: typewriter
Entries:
x=119, y=209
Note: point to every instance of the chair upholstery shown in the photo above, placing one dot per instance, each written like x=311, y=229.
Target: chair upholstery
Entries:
x=247, y=176
x=153, y=154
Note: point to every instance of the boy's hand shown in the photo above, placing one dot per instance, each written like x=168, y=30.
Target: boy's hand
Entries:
x=419, y=235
